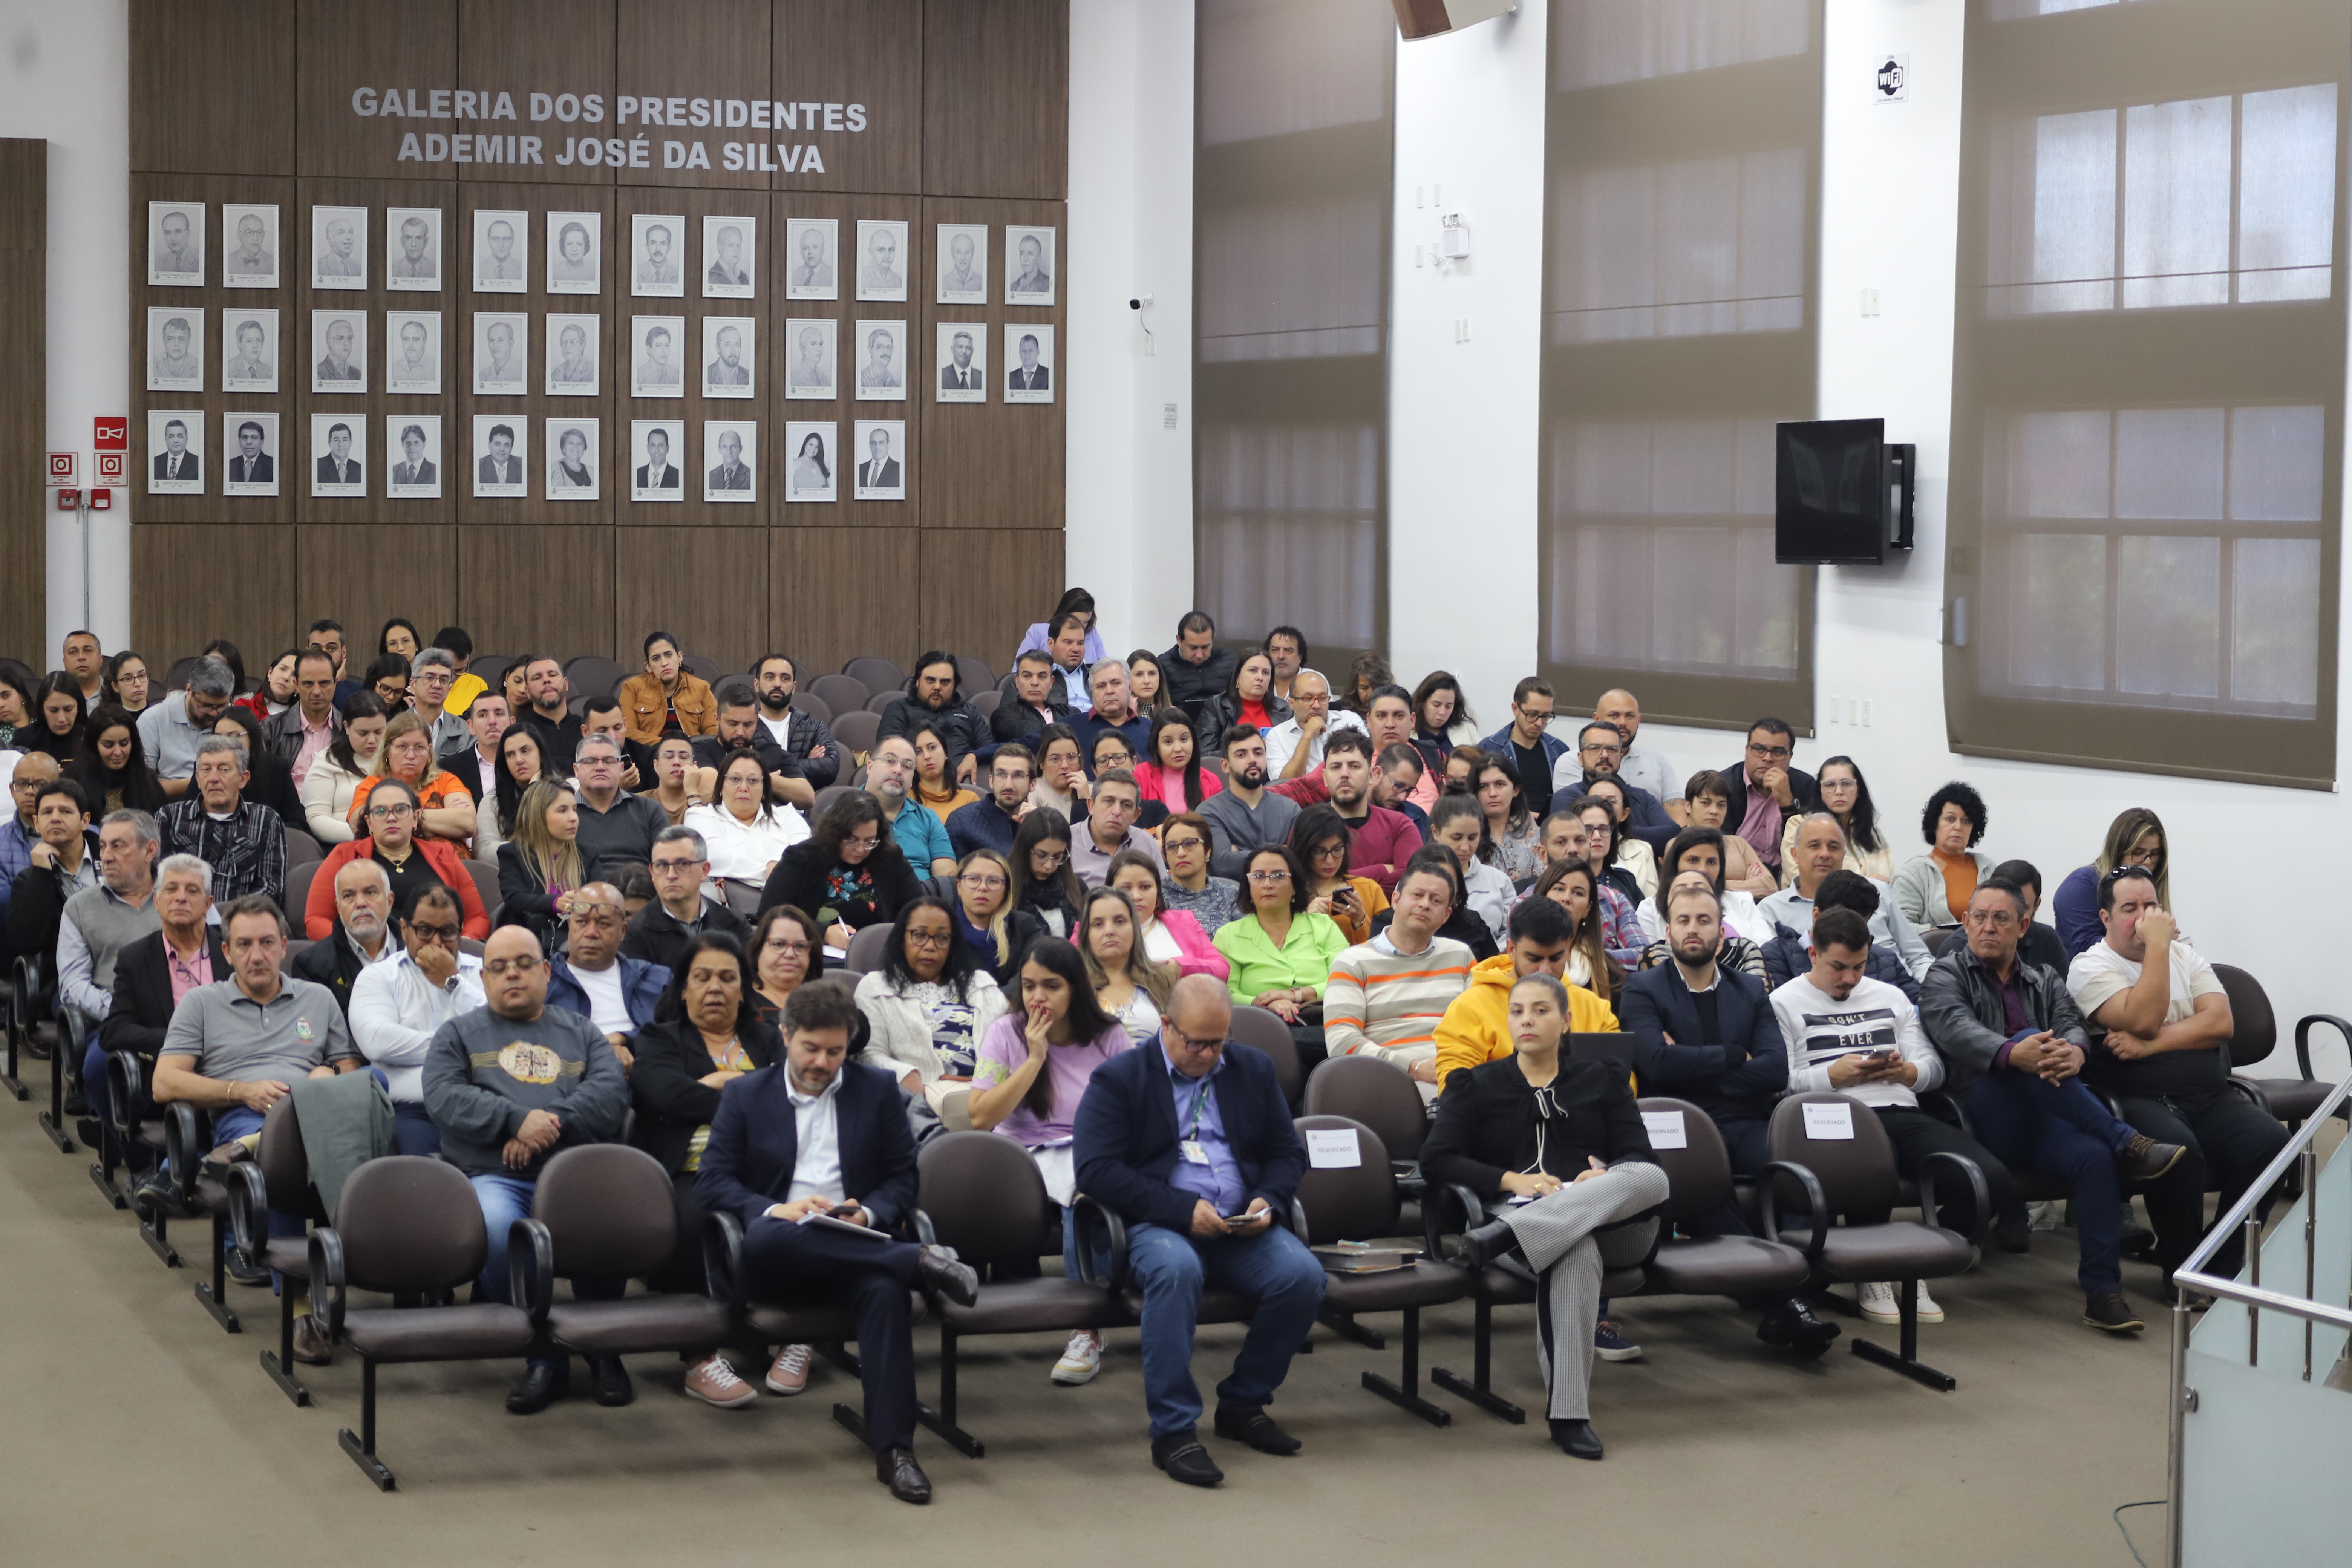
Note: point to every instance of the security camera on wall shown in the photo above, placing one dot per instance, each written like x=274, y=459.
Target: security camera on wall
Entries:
x=1419, y=19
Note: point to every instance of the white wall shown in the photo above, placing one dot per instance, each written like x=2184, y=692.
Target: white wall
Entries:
x=67, y=73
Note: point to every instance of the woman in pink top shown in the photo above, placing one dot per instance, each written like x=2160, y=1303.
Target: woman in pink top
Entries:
x=1030, y=1073
x=1170, y=772
x=1168, y=936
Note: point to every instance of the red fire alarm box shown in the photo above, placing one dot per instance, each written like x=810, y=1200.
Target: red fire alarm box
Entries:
x=69, y=501
x=101, y=500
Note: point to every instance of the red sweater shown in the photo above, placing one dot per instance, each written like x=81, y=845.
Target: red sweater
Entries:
x=1379, y=849
x=319, y=908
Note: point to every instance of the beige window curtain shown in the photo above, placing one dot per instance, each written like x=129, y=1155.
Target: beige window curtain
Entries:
x=1683, y=180
x=2147, y=404
x=1292, y=167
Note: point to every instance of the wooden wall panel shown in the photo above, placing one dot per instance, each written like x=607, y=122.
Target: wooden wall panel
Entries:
x=707, y=586
x=542, y=589
x=341, y=47
x=836, y=592
x=23, y=321
x=864, y=51
x=845, y=410
x=1006, y=66
x=212, y=86
x=217, y=304
x=547, y=46
x=981, y=587
x=189, y=586
x=711, y=49
x=365, y=576
x=997, y=464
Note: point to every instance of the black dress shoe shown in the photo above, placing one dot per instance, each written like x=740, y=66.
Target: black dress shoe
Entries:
x=609, y=1380
x=156, y=1193
x=2108, y=1309
x=2144, y=1158
x=1792, y=1326
x=1257, y=1429
x=541, y=1387
x=1180, y=1455
x=240, y=1272
x=90, y=1133
x=896, y=1468
x=1577, y=1439
x=310, y=1346
x=942, y=1271
x=1482, y=1244
x=2012, y=1231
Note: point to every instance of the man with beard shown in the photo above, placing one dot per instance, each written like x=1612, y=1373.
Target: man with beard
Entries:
x=801, y=736
x=990, y=822
x=1379, y=841
x=1600, y=750
x=1244, y=815
x=361, y=937
x=932, y=702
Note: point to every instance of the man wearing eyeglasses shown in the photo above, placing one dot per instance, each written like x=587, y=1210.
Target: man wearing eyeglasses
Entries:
x=990, y=823
x=509, y=1084
x=1601, y=754
x=1528, y=738
x=18, y=836
x=397, y=1006
x=665, y=928
x=616, y=828
x=1765, y=791
x=591, y=978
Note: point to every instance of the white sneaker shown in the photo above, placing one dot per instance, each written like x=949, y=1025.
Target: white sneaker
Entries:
x=1081, y=1359
x=1878, y=1303
x=1925, y=1304
x=789, y=1374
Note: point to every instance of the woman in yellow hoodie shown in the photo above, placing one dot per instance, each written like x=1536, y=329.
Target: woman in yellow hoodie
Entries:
x=1476, y=1025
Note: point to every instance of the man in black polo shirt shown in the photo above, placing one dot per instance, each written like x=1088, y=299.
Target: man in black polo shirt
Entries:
x=616, y=828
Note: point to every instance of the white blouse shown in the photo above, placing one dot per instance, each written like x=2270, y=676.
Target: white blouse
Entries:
x=742, y=852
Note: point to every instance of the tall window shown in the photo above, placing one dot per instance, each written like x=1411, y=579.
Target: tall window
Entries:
x=2148, y=386
x=1291, y=195
x=1682, y=174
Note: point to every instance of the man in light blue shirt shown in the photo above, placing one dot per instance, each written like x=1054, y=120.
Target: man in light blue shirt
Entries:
x=922, y=837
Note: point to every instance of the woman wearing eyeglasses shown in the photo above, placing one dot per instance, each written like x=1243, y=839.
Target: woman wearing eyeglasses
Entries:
x=848, y=874
x=447, y=809
x=1167, y=936
x=929, y=1003
x=1281, y=951
x=1043, y=883
x=997, y=934
x=391, y=840
x=786, y=955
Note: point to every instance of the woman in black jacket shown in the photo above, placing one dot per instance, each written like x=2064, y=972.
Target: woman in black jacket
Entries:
x=850, y=873
x=1044, y=886
x=1248, y=698
x=711, y=1037
x=1563, y=1142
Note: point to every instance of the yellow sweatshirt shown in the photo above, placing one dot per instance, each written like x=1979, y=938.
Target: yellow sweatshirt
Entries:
x=1476, y=1025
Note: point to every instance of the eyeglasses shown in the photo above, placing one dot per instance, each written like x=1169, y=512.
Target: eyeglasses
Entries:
x=1770, y=753
x=791, y=949
x=1533, y=717
x=390, y=813
x=982, y=884
x=1048, y=858
x=1174, y=845
x=861, y=841
x=928, y=938
x=1606, y=749
x=1327, y=852
x=445, y=934
x=675, y=866
x=1267, y=879
x=1113, y=758
x=522, y=966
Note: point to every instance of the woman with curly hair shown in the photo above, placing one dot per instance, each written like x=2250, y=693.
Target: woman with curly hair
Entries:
x=1933, y=888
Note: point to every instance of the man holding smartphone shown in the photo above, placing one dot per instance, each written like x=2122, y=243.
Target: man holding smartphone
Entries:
x=1861, y=1038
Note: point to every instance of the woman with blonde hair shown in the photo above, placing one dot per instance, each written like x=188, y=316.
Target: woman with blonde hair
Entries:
x=539, y=867
x=997, y=932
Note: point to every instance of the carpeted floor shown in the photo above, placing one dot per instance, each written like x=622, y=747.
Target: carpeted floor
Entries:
x=132, y=1430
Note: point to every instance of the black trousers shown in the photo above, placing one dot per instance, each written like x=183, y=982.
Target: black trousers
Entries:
x=817, y=1266
x=2229, y=1139
x=685, y=1272
x=1916, y=1135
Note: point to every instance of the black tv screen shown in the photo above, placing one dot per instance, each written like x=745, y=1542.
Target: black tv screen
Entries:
x=1831, y=493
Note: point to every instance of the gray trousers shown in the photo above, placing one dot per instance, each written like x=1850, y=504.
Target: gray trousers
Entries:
x=1556, y=1237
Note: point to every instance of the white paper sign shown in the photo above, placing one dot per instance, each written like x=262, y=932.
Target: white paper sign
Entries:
x=1333, y=1149
x=1827, y=1120
x=1665, y=1128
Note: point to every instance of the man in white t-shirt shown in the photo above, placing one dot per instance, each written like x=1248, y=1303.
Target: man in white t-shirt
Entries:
x=2159, y=1022
x=1861, y=1038
x=591, y=978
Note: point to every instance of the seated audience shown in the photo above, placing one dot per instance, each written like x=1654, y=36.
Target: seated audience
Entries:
x=1640, y=767
x=547, y=713
x=1169, y=936
x=111, y=767
x=1174, y=776
x=1029, y=699
x=1509, y=843
x=1320, y=841
x=1460, y=824
x=932, y=700
x=1932, y=889
x=475, y=761
x=1113, y=712
x=990, y=822
x=98, y=920
x=1196, y=669
x=1044, y=886
x=1570, y=884
x=1475, y=1027
x=60, y=859
x=1147, y=682
x=397, y=1008
x=153, y=975
x=350, y=759
x=929, y=1004
x=1707, y=802
x=1286, y=646
x=243, y=841
x=620, y=995
x=1528, y=738
x=1566, y=837
x=616, y=828
x=2161, y=1025
x=502, y=1114
x=1603, y=844
x=661, y=932
x=268, y=782
x=803, y=738
x=1108, y=749
x=1441, y=721
x=2041, y=943
x=786, y=953
x=387, y=676
x=1400, y=783
x=276, y=693
x=1247, y=701
x=2136, y=838
x=677, y=786
x=995, y=932
x=921, y=837
x=539, y=867
x=444, y=811
x=361, y=938
x=407, y=859
x=1175, y=1180
x=1765, y=789
x=747, y=830
x=1844, y=794
x=756, y=1162
x=2013, y=1048
x=1066, y=648
x=1185, y=839
x=1461, y=923
x=1568, y=1137
x=1294, y=746
x=124, y=681
x=1636, y=854
x=430, y=675
x=1385, y=996
x=1704, y=1030
x=1600, y=748
x=738, y=728
x=1390, y=723
x=934, y=790
x=1380, y=840
x=1820, y=848
x=1789, y=953
x=59, y=714
x=1033, y=1068
x=1109, y=827
x=1245, y=816
x=520, y=764
x=848, y=873
x=1366, y=674
x=664, y=698
x=1701, y=849
x=1131, y=987
x=1280, y=952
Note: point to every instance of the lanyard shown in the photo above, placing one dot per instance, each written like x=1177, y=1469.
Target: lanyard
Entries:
x=1198, y=1100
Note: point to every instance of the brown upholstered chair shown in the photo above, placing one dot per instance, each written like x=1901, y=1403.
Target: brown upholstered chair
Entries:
x=856, y=729
x=1266, y=1030
x=1376, y=1093
x=1359, y=1203
x=983, y=1195
x=867, y=949
x=1840, y=1177
x=2254, y=1036
x=409, y=1226
x=277, y=1177
x=1698, y=1176
x=841, y=694
x=877, y=674
x=606, y=1211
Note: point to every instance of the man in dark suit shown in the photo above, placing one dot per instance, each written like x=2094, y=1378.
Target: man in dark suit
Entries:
x=1764, y=779
x=879, y=471
x=339, y=467
x=151, y=975
x=251, y=466
x=1182, y=1137
x=814, y=1158
x=1029, y=699
x=175, y=461
x=500, y=466
x=957, y=375
x=1028, y=375
x=732, y=472
x=656, y=472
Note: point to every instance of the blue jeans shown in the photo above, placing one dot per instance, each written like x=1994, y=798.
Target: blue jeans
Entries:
x=413, y=1131
x=2063, y=1129
x=243, y=1121
x=1274, y=1270
x=504, y=1199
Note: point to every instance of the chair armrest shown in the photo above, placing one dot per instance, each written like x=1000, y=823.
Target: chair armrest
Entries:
x=1117, y=1227
x=2254, y=1095
x=1295, y=1221
x=185, y=1146
x=1946, y=1108
x=126, y=1093
x=2303, y=1039
x=1443, y=1196
x=1979, y=1194
x=248, y=1208
x=722, y=1259
x=924, y=1234
x=327, y=1281
x=1819, y=1200
x=2114, y=1103
x=531, y=1267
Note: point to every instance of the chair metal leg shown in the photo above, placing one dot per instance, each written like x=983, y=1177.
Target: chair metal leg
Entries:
x=838, y=1354
x=942, y=1421
x=850, y=1421
x=280, y=1364
x=102, y=1170
x=1344, y=1325
x=1478, y=1390
x=53, y=1120
x=1908, y=1362
x=1405, y=1394
x=8, y=1079
x=362, y=1448
x=214, y=1293
x=155, y=1230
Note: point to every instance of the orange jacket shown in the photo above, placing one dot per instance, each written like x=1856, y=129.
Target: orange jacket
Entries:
x=319, y=908
x=643, y=709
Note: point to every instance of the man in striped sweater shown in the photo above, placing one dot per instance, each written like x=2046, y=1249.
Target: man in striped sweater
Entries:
x=1385, y=996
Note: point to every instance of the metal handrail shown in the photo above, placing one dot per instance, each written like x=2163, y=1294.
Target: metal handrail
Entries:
x=2192, y=1276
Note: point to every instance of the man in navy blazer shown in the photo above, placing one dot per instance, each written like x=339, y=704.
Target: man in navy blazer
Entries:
x=1181, y=1138
x=816, y=1134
